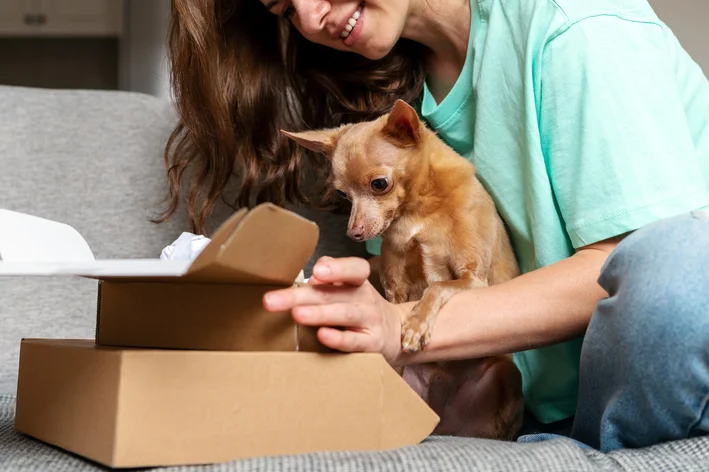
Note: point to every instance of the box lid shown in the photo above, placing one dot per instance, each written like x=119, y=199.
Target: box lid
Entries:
x=264, y=245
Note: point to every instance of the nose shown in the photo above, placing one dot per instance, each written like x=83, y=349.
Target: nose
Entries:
x=356, y=232
x=311, y=14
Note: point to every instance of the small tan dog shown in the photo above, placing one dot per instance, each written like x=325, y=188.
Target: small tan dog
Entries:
x=441, y=234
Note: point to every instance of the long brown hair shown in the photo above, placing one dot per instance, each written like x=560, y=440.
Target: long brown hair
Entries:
x=239, y=74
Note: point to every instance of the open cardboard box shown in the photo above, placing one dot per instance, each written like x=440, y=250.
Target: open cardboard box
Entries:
x=213, y=302
x=187, y=367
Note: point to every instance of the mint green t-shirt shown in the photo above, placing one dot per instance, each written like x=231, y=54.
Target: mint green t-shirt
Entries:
x=585, y=120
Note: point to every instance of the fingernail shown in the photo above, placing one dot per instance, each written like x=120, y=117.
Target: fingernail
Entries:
x=322, y=270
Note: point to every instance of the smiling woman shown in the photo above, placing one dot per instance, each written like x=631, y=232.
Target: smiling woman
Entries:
x=367, y=28
x=242, y=70
x=587, y=123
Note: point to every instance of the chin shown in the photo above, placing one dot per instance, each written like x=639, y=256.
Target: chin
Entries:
x=376, y=54
x=377, y=49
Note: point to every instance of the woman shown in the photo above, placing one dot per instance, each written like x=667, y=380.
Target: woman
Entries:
x=588, y=124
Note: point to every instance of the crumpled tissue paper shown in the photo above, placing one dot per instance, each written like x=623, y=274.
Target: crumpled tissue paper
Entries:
x=188, y=246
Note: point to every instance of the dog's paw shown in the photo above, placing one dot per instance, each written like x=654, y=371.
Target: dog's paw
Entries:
x=416, y=333
x=396, y=296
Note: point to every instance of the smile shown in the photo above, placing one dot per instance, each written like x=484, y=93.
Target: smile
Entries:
x=351, y=22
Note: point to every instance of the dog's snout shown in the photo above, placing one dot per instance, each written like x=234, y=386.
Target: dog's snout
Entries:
x=356, y=232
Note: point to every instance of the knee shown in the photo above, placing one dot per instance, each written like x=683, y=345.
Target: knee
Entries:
x=657, y=283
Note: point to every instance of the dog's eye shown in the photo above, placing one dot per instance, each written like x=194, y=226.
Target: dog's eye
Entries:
x=379, y=185
x=341, y=194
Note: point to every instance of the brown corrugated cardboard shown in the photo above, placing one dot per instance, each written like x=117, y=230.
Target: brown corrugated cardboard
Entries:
x=187, y=367
x=212, y=303
x=196, y=316
x=216, y=304
x=127, y=407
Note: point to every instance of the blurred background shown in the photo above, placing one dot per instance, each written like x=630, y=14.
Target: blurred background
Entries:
x=89, y=44
x=120, y=44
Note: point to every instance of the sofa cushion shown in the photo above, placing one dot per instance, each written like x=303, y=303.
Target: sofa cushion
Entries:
x=20, y=453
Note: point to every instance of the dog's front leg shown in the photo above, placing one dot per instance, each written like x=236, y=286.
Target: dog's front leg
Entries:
x=416, y=329
x=393, y=276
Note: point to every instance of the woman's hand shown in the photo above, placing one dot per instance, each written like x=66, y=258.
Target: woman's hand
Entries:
x=339, y=294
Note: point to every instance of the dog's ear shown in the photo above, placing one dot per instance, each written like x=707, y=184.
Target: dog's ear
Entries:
x=322, y=140
x=403, y=124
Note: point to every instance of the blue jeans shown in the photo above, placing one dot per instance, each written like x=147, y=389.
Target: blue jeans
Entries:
x=644, y=368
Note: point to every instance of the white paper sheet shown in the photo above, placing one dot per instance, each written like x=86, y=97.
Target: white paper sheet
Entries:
x=30, y=245
x=97, y=268
x=25, y=238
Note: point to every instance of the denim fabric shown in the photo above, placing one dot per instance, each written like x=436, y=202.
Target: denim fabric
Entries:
x=644, y=371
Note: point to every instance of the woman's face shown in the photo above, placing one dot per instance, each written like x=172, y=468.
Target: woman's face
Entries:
x=370, y=28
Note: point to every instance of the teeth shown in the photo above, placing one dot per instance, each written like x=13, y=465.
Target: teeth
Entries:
x=351, y=23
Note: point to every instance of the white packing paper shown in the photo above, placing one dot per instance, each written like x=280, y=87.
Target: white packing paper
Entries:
x=185, y=248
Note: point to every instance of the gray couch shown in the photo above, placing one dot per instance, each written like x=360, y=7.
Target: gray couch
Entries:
x=93, y=159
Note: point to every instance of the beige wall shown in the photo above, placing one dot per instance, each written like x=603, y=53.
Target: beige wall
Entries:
x=143, y=60
x=689, y=20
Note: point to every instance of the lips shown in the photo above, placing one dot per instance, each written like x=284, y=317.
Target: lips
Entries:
x=354, y=34
x=350, y=23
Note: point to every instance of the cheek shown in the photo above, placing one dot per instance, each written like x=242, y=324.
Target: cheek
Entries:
x=387, y=206
x=368, y=211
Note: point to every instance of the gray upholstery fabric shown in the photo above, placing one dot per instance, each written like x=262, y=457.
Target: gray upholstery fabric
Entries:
x=94, y=160
x=89, y=159
x=19, y=453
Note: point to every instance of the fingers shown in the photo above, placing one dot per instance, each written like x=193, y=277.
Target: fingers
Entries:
x=346, y=270
x=345, y=341
x=289, y=298
x=336, y=314
x=314, y=281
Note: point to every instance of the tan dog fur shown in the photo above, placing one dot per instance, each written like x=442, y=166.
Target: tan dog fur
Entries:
x=441, y=234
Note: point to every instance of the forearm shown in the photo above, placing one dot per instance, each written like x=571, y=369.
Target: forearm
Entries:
x=540, y=308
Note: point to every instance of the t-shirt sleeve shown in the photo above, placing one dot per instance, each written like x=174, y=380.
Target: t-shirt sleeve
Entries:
x=618, y=150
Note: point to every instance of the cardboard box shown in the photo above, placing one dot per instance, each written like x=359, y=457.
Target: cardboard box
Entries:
x=128, y=407
x=187, y=367
x=213, y=302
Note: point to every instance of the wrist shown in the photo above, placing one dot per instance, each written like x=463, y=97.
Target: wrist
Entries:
x=402, y=312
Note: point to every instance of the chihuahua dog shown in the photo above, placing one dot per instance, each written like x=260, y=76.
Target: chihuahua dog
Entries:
x=441, y=234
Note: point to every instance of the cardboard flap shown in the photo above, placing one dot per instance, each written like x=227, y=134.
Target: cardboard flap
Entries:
x=265, y=245
x=210, y=253
x=405, y=416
